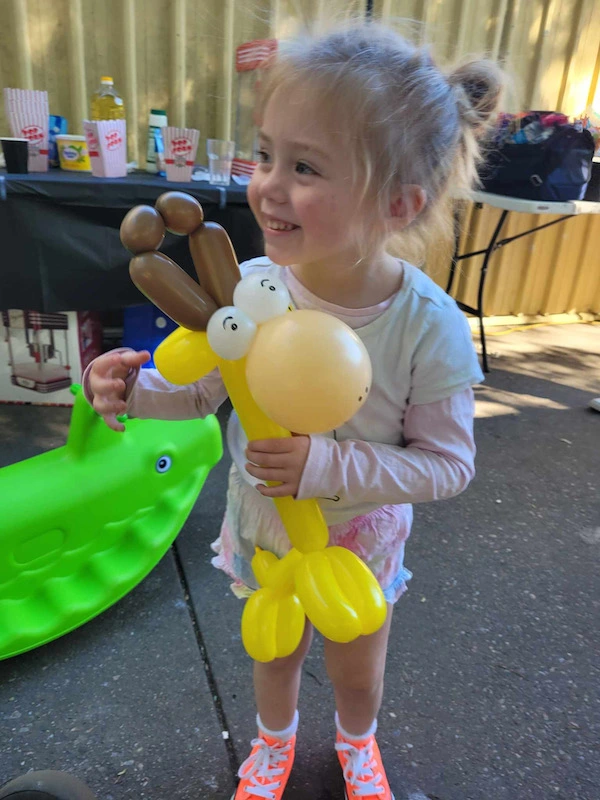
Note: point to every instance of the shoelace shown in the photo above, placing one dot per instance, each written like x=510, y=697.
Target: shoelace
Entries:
x=263, y=764
x=360, y=770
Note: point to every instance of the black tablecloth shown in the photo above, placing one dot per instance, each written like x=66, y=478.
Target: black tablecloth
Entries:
x=59, y=235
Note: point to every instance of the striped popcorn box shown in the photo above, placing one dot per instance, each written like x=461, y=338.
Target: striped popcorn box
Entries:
x=107, y=146
x=29, y=118
x=181, y=145
x=90, y=130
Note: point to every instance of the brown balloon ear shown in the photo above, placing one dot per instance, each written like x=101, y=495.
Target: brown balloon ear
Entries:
x=166, y=285
x=142, y=229
x=215, y=261
x=181, y=212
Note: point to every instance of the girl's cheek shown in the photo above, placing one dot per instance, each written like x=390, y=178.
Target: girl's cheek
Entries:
x=252, y=194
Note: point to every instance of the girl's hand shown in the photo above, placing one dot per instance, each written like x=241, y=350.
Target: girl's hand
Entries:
x=279, y=460
x=107, y=383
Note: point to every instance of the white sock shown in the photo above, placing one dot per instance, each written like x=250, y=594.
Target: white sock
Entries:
x=352, y=737
x=285, y=734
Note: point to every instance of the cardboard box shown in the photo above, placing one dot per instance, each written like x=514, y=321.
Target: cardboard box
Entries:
x=42, y=355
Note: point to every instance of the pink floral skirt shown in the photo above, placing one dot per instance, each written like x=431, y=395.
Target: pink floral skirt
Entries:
x=251, y=520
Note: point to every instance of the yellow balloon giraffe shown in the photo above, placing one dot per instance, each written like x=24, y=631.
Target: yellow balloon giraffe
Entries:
x=331, y=585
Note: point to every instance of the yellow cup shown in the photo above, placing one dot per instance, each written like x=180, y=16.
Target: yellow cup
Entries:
x=73, y=153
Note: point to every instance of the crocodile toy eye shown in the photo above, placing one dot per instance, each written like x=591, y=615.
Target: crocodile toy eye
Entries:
x=164, y=464
x=261, y=298
x=230, y=333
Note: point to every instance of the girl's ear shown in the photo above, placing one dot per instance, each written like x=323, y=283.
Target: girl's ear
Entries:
x=406, y=205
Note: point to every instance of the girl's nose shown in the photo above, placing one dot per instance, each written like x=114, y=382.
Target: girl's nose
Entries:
x=272, y=186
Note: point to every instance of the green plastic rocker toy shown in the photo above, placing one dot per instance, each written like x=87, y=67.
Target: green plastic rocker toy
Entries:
x=84, y=523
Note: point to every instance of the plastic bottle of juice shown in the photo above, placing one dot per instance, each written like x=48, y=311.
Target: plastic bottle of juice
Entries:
x=106, y=102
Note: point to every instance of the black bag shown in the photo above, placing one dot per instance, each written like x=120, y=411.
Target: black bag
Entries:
x=555, y=169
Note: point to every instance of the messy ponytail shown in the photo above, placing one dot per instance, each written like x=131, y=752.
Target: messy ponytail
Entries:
x=402, y=119
x=478, y=87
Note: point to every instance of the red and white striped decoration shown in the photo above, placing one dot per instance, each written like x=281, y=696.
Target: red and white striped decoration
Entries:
x=251, y=55
x=241, y=166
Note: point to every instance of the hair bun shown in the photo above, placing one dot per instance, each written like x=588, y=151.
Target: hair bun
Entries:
x=479, y=86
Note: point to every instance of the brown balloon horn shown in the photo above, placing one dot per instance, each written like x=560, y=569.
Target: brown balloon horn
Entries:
x=172, y=290
x=215, y=261
x=160, y=279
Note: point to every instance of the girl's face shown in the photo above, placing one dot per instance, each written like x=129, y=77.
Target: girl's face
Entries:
x=301, y=192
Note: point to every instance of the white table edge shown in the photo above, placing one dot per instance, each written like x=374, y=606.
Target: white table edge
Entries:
x=570, y=207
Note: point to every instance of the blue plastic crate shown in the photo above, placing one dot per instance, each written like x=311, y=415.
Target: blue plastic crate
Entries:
x=145, y=327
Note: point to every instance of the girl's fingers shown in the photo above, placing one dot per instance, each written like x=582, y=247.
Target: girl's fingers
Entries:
x=117, y=365
x=107, y=386
x=109, y=405
x=274, y=460
x=131, y=358
x=264, y=474
x=283, y=490
x=112, y=422
x=104, y=365
x=283, y=445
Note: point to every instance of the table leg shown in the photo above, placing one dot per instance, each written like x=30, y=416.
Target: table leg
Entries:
x=455, y=256
x=486, y=260
x=494, y=244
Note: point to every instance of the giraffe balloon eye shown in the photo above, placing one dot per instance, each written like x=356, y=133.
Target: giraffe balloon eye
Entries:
x=261, y=298
x=230, y=333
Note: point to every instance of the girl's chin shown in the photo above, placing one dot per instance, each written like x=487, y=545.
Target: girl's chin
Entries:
x=278, y=256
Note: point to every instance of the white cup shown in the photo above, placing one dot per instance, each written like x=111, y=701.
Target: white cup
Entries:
x=220, y=155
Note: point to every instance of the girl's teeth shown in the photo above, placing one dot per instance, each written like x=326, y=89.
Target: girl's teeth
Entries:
x=280, y=226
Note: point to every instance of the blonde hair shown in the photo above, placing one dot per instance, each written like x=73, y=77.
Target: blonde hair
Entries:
x=405, y=120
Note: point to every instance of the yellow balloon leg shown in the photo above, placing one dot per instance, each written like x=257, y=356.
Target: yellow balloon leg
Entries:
x=302, y=519
x=274, y=572
x=360, y=587
x=272, y=625
x=324, y=601
x=340, y=594
x=273, y=619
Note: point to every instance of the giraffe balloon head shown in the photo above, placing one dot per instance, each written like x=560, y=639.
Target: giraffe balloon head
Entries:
x=307, y=371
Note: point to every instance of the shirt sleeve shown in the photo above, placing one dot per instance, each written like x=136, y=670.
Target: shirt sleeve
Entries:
x=153, y=397
x=444, y=361
x=437, y=460
x=150, y=396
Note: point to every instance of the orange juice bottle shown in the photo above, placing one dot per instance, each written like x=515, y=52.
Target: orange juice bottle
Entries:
x=106, y=102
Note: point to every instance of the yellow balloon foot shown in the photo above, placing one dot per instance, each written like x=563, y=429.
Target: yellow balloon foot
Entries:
x=272, y=624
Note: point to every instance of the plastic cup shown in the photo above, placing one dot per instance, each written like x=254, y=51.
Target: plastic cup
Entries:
x=16, y=154
x=220, y=155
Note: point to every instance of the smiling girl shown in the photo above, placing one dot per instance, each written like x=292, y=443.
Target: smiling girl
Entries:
x=362, y=139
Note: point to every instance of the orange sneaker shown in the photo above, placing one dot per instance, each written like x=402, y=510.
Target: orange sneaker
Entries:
x=266, y=771
x=363, y=770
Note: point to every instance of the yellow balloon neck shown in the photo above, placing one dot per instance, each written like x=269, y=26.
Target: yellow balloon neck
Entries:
x=302, y=519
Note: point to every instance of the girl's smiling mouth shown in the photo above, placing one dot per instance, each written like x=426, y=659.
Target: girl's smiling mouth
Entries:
x=272, y=225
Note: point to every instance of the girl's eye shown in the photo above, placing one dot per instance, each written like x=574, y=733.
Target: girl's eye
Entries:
x=263, y=156
x=304, y=169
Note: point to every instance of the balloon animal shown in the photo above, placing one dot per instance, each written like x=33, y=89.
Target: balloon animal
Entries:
x=84, y=523
x=303, y=371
